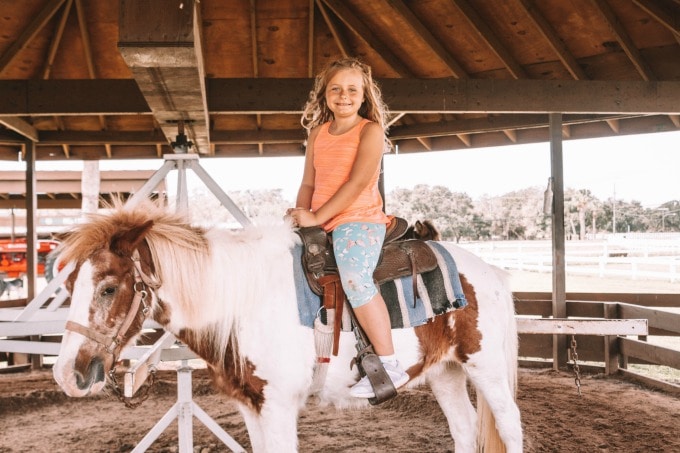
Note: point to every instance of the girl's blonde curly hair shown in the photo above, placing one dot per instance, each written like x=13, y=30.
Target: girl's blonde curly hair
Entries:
x=316, y=110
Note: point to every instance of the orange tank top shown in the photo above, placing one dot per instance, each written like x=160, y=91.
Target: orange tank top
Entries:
x=334, y=156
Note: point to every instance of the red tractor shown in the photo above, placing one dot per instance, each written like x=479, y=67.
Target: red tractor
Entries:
x=13, y=258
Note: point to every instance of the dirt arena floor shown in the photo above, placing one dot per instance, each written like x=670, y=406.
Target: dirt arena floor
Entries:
x=611, y=416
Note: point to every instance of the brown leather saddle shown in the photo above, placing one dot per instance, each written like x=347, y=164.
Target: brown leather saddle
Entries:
x=399, y=258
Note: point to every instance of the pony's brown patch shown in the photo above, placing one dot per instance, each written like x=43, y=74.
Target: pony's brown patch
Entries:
x=436, y=338
x=232, y=379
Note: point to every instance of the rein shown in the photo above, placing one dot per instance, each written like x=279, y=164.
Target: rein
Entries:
x=143, y=284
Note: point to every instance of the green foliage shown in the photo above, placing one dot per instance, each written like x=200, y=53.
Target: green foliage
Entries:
x=515, y=215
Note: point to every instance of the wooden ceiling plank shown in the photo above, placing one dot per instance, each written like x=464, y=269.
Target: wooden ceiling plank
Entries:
x=340, y=41
x=67, y=150
x=485, y=32
x=364, y=32
x=671, y=22
x=29, y=33
x=20, y=126
x=429, y=38
x=555, y=42
x=624, y=40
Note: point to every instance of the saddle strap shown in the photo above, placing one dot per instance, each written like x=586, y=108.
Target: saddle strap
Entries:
x=333, y=299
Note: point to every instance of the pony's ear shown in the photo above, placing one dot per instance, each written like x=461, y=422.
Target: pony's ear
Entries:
x=125, y=242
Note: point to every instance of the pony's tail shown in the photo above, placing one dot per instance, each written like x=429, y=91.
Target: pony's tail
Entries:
x=488, y=439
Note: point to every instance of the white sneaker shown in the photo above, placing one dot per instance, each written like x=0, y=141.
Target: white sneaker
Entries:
x=363, y=388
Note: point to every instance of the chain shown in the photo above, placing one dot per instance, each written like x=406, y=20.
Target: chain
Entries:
x=577, y=370
x=142, y=393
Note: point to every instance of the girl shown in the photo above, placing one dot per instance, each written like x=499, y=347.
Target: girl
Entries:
x=345, y=121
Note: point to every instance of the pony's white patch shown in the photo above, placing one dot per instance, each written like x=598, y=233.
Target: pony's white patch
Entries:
x=83, y=290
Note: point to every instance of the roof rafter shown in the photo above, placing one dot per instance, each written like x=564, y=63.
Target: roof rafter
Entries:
x=29, y=33
x=364, y=32
x=340, y=41
x=485, y=32
x=429, y=38
x=671, y=22
x=550, y=35
x=624, y=40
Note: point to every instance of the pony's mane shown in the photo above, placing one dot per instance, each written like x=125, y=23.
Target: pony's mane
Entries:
x=100, y=228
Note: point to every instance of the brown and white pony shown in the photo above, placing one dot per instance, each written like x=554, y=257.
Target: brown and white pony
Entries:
x=230, y=296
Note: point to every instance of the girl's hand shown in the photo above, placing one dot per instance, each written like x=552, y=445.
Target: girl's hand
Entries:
x=302, y=217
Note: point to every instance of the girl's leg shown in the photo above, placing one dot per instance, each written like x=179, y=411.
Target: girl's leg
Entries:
x=375, y=320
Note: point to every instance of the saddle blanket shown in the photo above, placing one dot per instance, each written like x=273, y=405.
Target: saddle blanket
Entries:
x=439, y=292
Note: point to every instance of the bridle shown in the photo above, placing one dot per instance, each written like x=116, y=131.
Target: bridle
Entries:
x=143, y=284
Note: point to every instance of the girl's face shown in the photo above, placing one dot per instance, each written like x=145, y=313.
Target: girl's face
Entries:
x=345, y=92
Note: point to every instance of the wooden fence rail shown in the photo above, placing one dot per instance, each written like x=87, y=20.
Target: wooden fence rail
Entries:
x=613, y=353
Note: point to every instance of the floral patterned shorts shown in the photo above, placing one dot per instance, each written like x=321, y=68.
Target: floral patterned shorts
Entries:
x=357, y=248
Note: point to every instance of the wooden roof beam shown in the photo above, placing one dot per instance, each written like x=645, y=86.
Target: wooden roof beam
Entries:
x=550, y=35
x=282, y=96
x=485, y=32
x=429, y=38
x=624, y=40
x=167, y=63
x=29, y=33
x=20, y=126
x=364, y=32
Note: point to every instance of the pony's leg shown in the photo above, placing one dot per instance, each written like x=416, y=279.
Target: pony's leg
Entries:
x=492, y=383
x=274, y=428
x=448, y=384
x=252, y=420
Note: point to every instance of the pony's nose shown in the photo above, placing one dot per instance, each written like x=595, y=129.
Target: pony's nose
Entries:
x=93, y=374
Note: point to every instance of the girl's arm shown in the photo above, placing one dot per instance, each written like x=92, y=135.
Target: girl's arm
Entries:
x=306, y=190
x=371, y=146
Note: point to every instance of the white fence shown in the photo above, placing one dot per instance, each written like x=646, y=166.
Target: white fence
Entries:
x=649, y=257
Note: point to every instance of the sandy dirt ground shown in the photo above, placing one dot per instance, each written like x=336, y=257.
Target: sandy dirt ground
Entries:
x=611, y=416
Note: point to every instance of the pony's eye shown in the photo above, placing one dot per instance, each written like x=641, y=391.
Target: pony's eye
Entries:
x=109, y=291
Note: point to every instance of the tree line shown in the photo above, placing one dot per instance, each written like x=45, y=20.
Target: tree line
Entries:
x=521, y=214
x=514, y=215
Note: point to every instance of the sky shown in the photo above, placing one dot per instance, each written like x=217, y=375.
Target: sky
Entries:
x=644, y=168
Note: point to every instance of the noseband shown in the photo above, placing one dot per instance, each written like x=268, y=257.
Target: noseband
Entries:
x=114, y=342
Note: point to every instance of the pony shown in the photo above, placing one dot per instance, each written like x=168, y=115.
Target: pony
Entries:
x=230, y=296
x=424, y=230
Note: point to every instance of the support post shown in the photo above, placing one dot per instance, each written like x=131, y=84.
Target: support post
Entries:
x=611, y=344
x=559, y=304
x=31, y=236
